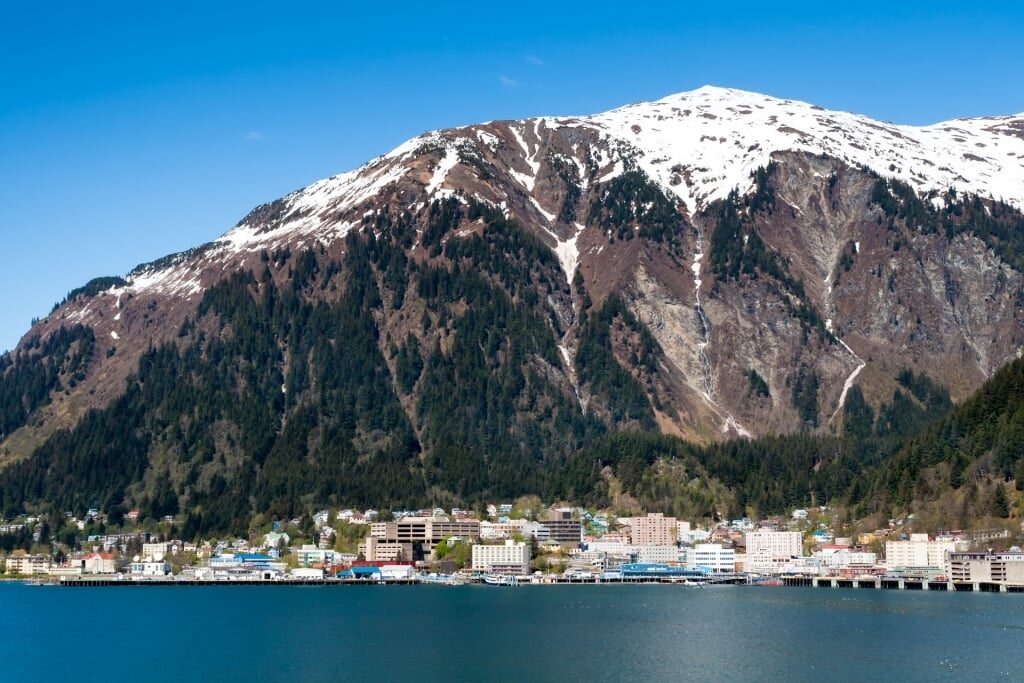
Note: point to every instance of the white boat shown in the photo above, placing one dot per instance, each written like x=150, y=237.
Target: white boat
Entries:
x=501, y=580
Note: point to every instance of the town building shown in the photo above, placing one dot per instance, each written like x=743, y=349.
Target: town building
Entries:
x=307, y=573
x=243, y=566
x=712, y=558
x=154, y=552
x=309, y=555
x=373, y=549
x=414, y=538
x=918, y=556
x=656, y=554
x=986, y=566
x=563, y=529
x=149, y=569
x=20, y=562
x=769, y=551
x=843, y=560
x=276, y=539
x=512, y=557
x=99, y=563
x=654, y=529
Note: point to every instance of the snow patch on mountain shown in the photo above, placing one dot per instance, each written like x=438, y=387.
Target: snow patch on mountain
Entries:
x=447, y=163
x=719, y=136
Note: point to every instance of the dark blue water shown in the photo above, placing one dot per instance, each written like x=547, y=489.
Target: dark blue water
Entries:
x=437, y=633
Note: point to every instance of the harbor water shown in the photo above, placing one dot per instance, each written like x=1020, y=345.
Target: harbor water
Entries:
x=482, y=633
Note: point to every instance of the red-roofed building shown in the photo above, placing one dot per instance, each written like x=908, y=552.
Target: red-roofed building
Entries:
x=99, y=563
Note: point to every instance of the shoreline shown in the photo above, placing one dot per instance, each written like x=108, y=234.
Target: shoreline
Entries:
x=881, y=584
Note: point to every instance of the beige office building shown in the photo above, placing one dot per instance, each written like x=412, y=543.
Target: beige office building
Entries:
x=654, y=529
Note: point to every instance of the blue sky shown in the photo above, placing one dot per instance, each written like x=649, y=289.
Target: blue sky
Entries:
x=130, y=131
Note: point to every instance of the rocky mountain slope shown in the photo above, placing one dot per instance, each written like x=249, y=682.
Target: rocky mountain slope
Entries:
x=484, y=300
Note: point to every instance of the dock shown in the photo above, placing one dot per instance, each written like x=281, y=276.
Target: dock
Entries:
x=103, y=582
x=892, y=583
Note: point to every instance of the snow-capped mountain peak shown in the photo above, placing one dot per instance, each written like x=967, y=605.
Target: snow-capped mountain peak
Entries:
x=718, y=136
x=697, y=145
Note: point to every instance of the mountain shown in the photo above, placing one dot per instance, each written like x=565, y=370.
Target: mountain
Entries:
x=461, y=316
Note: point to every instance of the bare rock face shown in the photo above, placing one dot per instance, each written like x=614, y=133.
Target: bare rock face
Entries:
x=777, y=254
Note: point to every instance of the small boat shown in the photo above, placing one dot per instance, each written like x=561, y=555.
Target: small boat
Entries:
x=501, y=580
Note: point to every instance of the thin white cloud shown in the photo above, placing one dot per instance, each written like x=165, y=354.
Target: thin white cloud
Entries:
x=508, y=82
x=254, y=136
x=535, y=60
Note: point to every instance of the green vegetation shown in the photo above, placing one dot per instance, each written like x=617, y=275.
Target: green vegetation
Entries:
x=459, y=552
x=29, y=377
x=980, y=443
x=804, y=393
x=758, y=385
x=632, y=203
x=93, y=287
x=997, y=224
x=596, y=365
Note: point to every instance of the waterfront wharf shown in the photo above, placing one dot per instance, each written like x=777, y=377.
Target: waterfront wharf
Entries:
x=76, y=582
x=87, y=583
x=892, y=583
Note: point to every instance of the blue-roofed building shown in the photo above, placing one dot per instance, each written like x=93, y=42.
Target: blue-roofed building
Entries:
x=364, y=573
x=245, y=567
x=651, y=570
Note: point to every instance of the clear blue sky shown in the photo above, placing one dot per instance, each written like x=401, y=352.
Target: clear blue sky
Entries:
x=137, y=129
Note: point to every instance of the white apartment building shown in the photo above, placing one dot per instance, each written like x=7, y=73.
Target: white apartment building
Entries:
x=844, y=558
x=712, y=557
x=144, y=568
x=693, y=536
x=309, y=555
x=654, y=529
x=920, y=552
x=769, y=551
x=510, y=558
x=611, y=547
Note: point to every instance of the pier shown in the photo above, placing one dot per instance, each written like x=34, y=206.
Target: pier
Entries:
x=95, y=583
x=891, y=583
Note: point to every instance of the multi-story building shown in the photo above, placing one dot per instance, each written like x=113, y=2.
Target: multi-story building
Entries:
x=656, y=554
x=154, y=552
x=563, y=529
x=510, y=558
x=502, y=530
x=711, y=557
x=413, y=538
x=1006, y=567
x=654, y=529
x=425, y=529
x=99, y=563
x=612, y=547
x=309, y=555
x=920, y=555
x=20, y=562
x=769, y=551
x=144, y=568
x=841, y=559
x=372, y=549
